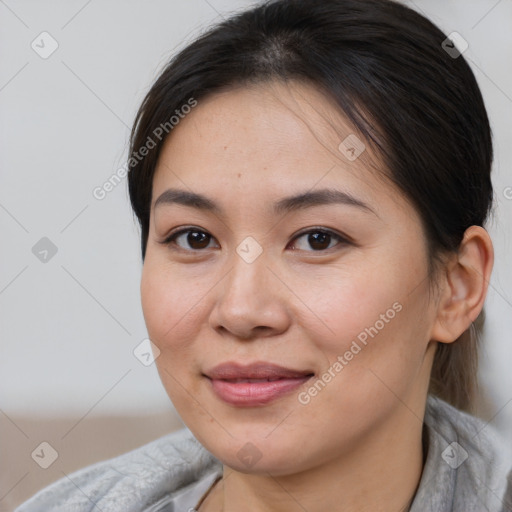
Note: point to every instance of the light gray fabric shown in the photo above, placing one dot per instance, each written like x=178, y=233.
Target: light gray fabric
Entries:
x=147, y=479
x=452, y=483
x=172, y=473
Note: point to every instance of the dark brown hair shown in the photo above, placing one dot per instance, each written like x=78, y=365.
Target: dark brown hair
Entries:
x=388, y=70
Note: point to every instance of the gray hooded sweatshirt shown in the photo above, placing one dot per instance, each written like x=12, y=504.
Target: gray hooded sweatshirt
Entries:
x=468, y=468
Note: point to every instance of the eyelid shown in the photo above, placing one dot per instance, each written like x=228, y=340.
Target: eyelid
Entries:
x=342, y=238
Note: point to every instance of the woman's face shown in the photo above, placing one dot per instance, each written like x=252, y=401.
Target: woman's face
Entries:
x=334, y=288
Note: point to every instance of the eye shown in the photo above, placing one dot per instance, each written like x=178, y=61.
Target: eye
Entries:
x=320, y=239
x=196, y=238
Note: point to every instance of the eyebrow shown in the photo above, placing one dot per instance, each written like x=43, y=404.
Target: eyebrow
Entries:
x=299, y=201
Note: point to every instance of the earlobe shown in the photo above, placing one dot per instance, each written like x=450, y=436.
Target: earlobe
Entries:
x=465, y=285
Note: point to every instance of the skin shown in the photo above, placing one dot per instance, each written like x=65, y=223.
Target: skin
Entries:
x=356, y=446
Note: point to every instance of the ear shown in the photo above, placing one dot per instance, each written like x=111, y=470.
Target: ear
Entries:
x=464, y=284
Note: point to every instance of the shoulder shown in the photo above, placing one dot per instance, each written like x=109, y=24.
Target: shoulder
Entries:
x=468, y=465
x=131, y=481
x=479, y=439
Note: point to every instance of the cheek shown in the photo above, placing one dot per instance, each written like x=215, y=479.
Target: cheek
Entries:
x=371, y=362
x=171, y=303
x=341, y=305
x=370, y=319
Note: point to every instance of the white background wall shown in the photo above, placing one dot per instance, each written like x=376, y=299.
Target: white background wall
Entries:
x=69, y=326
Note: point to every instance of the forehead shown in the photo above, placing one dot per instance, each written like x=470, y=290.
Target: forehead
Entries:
x=268, y=140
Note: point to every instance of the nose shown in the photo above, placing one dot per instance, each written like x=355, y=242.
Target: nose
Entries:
x=251, y=300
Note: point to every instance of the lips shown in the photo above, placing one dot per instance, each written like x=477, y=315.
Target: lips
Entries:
x=254, y=385
x=255, y=372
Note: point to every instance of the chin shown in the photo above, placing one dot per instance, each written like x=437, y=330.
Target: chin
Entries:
x=255, y=454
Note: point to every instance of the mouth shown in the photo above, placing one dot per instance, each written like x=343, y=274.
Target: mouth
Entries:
x=256, y=384
x=262, y=371
x=255, y=380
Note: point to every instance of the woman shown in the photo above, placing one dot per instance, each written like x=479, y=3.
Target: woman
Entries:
x=312, y=181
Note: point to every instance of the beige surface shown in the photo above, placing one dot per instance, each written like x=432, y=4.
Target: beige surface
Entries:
x=91, y=440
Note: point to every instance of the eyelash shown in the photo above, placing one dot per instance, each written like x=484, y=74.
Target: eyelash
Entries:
x=170, y=240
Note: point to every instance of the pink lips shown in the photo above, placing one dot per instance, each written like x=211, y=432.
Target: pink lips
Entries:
x=254, y=384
